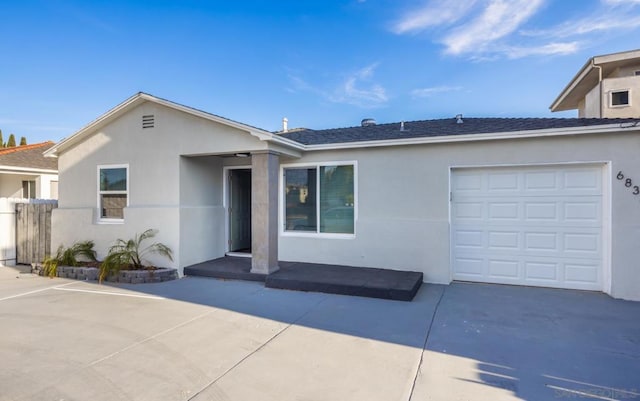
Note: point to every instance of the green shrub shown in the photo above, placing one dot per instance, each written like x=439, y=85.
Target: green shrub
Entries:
x=69, y=257
x=131, y=253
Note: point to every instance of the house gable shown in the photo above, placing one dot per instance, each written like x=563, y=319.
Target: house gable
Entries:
x=144, y=99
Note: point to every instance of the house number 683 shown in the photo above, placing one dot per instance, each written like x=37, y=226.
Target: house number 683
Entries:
x=628, y=182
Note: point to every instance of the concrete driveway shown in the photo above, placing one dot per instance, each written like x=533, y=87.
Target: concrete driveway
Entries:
x=203, y=339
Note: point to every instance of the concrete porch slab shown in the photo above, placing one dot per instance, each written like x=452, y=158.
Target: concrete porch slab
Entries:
x=332, y=279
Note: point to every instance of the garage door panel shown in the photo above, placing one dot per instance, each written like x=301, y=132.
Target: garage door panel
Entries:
x=586, y=211
x=468, y=183
x=541, y=211
x=504, y=269
x=582, y=243
x=469, y=238
x=471, y=268
x=500, y=182
x=501, y=240
x=581, y=273
x=504, y=210
x=541, y=241
x=541, y=181
x=583, y=180
x=531, y=226
x=468, y=211
x=541, y=271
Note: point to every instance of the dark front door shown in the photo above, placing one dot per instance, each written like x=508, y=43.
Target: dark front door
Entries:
x=240, y=210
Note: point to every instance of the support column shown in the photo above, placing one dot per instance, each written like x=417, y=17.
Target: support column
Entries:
x=265, y=168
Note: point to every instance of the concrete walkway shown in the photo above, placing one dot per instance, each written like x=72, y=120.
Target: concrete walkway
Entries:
x=204, y=339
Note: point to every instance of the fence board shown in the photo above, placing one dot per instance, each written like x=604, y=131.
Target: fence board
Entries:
x=33, y=230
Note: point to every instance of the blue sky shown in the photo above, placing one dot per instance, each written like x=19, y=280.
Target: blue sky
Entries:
x=322, y=64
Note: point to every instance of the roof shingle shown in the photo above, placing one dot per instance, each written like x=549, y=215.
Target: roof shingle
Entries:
x=441, y=127
x=29, y=156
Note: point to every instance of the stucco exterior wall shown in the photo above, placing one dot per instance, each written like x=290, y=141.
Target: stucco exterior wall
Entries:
x=630, y=83
x=403, y=202
x=180, y=197
x=591, y=106
x=202, y=218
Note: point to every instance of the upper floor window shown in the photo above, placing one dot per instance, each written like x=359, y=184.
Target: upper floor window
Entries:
x=620, y=98
x=320, y=199
x=113, y=191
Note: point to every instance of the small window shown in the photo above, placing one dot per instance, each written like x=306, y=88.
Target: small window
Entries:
x=320, y=199
x=29, y=189
x=637, y=73
x=113, y=191
x=620, y=98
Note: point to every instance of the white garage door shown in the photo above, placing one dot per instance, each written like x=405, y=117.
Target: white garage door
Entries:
x=539, y=226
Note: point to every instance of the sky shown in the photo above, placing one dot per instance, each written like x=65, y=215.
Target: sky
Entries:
x=321, y=64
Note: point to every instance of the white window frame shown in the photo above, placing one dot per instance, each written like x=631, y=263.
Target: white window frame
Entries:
x=106, y=220
x=317, y=234
x=615, y=106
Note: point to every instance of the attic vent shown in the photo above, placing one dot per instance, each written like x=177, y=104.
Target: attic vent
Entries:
x=368, y=122
x=148, y=121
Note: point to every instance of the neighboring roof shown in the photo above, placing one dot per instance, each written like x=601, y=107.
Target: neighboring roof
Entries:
x=28, y=157
x=589, y=76
x=446, y=128
x=140, y=98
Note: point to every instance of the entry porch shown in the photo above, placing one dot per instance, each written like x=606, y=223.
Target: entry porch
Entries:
x=333, y=279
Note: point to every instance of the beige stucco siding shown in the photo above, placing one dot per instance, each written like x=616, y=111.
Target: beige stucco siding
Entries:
x=181, y=197
x=403, y=202
x=629, y=83
x=201, y=209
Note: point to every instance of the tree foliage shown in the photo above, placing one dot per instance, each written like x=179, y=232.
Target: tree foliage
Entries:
x=11, y=142
x=1, y=140
x=23, y=141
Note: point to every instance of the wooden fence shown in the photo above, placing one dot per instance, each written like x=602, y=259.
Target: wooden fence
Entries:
x=25, y=230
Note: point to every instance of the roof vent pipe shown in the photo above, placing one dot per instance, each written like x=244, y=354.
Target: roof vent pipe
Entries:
x=285, y=124
x=401, y=125
x=366, y=122
x=459, y=119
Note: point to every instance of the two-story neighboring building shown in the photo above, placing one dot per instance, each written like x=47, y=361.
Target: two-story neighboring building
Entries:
x=607, y=86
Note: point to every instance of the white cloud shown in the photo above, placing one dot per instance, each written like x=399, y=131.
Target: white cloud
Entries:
x=621, y=2
x=427, y=92
x=560, y=48
x=600, y=22
x=357, y=89
x=439, y=12
x=493, y=29
x=499, y=19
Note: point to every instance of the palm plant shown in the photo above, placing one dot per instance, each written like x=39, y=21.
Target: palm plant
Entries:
x=132, y=253
x=69, y=257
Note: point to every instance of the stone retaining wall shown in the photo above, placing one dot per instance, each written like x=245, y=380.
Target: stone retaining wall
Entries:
x=124, y=276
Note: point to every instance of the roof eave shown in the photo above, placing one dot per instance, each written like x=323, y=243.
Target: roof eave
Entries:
x=28, y=170
x=557, y=104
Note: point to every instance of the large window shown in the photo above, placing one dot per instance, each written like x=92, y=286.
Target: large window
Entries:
x=320, y=199
x=113, y=190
